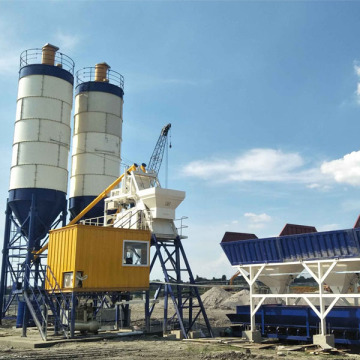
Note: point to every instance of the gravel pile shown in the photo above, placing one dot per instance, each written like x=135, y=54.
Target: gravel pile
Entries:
x=214, y=297
x=240, y=298
x=219, y=298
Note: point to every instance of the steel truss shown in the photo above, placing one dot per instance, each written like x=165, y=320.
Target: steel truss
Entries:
x=319, y=270
x=21, y=270
x=186, y=300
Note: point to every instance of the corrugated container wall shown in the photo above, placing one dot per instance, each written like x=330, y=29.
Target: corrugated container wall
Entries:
x=98, y=258
x=97, y=135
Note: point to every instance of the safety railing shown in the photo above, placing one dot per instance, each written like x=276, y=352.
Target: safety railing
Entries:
x=182, y=226
x=131, y=220
x=96, y=221
x=88, y=74
x=53, y=298
x=34, y=56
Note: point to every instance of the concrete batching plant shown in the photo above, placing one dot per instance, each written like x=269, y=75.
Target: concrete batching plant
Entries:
x=80, y=272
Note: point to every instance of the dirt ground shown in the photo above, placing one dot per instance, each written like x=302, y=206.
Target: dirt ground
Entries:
x=153, y=347
x=157, y=347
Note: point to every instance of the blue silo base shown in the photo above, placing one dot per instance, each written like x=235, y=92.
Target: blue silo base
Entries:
x=46, y=208
x=79, y=203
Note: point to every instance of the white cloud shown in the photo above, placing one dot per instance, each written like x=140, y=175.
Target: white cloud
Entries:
x=345, y=170
x=357, y=72
x=357, y=68
x=257, y=221
x=321, y=187
x=66, y=42
x=256, y=165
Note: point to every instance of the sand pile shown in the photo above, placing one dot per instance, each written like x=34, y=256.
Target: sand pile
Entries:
x=214, y=297
x=219, y=298
x=242, y=297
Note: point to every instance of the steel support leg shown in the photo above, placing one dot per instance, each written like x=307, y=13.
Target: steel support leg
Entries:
x=29, y=257
x=3, y=280
x=73, y=314
x=147, y=311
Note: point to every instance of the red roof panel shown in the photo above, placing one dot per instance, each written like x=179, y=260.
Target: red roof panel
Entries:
x=234, y=236
x=293, y=229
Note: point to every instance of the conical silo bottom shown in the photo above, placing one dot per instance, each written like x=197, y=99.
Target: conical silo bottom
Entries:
x=47, y=206
x=79, y=203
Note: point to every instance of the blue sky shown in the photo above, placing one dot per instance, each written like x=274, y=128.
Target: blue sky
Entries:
x=263, y=97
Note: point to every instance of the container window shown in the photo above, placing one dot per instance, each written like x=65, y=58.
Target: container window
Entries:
x=136, y=253
x=68, y=280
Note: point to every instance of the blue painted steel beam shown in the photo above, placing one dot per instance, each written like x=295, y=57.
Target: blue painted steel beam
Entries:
x=300, y=322
x=174, y=255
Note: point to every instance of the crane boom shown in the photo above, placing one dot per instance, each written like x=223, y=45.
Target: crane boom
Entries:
x=158, y=153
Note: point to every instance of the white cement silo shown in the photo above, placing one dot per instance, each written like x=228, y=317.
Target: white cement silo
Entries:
x=96, y=146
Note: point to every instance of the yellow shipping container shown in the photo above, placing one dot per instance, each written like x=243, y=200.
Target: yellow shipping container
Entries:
x=94, y=258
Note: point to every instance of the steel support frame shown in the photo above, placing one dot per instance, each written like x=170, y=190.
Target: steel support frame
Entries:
x=252, y=272
x=18, y=259
x=174, y=264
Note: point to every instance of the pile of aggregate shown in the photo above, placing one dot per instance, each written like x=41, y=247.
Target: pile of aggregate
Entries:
x=241, y=297
x=214, y=297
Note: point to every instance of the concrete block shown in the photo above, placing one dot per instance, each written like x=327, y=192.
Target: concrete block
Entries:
x=195, y=334
x=325, y=341
x=254, y=336
x=178, y=334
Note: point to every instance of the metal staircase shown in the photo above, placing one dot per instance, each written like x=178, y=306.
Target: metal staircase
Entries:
x=39, y=301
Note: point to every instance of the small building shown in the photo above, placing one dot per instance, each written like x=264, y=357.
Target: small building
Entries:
x=85, y=258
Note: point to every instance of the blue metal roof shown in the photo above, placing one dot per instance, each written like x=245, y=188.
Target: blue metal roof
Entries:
x=311, y=246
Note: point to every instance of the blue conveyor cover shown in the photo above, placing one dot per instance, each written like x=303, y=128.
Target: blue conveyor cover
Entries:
x=311, y=246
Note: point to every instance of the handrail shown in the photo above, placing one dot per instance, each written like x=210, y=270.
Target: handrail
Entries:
x=96, y=221
x=88, y=74
x=33, y=56
x=128, y=221
x=181, y=227
x=55, y=287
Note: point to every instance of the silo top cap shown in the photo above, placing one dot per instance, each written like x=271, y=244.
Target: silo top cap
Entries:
x=50, y=46
x=104, y=64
